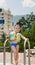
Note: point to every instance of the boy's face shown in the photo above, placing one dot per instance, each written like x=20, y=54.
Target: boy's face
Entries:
x=17, y=28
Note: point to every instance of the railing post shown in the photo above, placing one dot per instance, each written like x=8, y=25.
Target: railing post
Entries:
x=4, y=57
x=11, y=56
x=4, y=53
x=29, y=53
x=25, y=52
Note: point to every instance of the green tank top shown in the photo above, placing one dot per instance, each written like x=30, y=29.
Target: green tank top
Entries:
x=15, y=36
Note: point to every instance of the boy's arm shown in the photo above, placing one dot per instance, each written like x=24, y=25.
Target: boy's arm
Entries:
x=9, y=32
x=24, y=38
x=7, y=37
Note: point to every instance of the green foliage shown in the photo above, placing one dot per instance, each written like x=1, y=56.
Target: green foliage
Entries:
x=28, y=29
x=3, y=37
x=31, y=36
x=8, y=46
x=26, y=33
x=21, y=47
x=1, y=44
x=25, y=23
x=22, y=23
x=33, y=32
x=32, y=44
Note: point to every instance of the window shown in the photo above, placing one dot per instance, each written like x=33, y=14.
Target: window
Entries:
x=1, y=21
x=2, y=13
x=2, y=28
x=0, y=10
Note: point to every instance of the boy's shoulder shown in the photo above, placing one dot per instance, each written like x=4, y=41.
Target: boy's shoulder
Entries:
x=12, y=32
x=19, y=33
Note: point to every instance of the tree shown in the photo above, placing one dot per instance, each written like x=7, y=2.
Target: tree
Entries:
x=3, y=37
x=25, y=23
x=33, y=32
x=22, y=23
x=30, y=19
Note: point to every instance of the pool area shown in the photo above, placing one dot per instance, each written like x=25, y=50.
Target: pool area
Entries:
x=20, y=60
x=12, y=64
x=6, y=58
x=5, y=64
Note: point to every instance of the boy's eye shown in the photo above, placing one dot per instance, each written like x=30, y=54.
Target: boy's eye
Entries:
x=16, y=28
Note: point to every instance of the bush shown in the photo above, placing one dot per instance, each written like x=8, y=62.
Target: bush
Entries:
x=7, y=45
x=32, y=44
x=1, y=44
x=21, y=46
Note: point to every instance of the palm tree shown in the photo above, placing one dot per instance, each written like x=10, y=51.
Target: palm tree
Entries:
x=26, y=23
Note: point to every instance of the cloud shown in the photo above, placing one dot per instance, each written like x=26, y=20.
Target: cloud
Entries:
x=28, y=3
x=3, y=4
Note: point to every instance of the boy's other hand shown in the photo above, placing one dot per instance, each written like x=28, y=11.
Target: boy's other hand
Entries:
x=27, y=39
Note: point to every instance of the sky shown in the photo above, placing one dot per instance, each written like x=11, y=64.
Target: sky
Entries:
x=18, y=7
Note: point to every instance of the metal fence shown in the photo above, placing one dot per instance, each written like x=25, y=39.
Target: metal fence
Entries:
x=4, y=63
x=25, y=52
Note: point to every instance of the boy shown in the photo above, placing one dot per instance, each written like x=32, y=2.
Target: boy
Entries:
x=15, y=37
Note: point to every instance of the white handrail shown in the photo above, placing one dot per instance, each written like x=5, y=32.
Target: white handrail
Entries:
x=4, y=52
x=25, y=52
x=5, y=42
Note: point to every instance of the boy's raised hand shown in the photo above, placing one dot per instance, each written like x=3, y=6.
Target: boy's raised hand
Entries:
x=27, y=39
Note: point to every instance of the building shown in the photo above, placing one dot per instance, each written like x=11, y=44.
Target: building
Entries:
x=6, y=19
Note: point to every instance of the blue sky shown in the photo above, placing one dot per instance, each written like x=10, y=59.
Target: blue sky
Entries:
x=18, y=7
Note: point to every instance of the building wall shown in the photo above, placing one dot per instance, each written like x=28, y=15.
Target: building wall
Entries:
x=6, y=19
